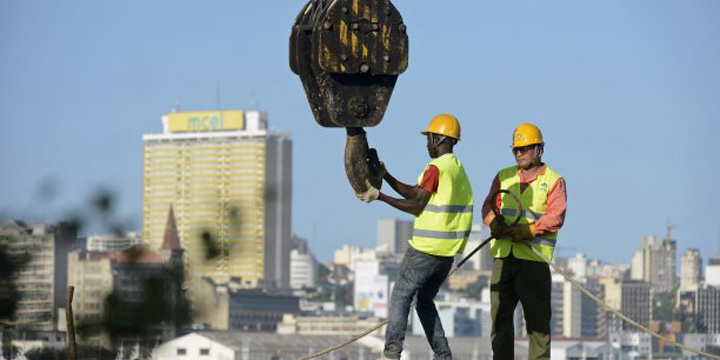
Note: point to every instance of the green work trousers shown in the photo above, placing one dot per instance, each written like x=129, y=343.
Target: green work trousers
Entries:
x=529, y=282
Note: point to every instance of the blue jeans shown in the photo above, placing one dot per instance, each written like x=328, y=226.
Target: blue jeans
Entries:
x=421, y=274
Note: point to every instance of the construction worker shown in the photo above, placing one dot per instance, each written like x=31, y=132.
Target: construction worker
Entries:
x=442, y=203
x=518, y=273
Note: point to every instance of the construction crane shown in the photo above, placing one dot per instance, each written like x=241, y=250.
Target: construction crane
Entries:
x=349, y=54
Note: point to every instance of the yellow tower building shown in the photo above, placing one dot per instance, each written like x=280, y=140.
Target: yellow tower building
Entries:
x=228, y=180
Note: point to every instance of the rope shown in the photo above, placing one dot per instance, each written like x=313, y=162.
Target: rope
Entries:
x=384, y=322
x=556, y=268
x=607, y=307
x=459, y=264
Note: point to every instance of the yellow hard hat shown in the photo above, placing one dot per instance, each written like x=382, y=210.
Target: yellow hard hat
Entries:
x=444, y=124
x=527, y=134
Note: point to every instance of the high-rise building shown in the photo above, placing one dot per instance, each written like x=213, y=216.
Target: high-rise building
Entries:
x=393, y=235
x=303, y=266
x=712, y=271
x=637, y=265
x=228, y=179
x=557, y=303
x=41, y=281
x=593, y=315
x=708, y=309
x=631, y=297
x=578, y=265
x=690, y=270
x=582, y=316
x=658, y=261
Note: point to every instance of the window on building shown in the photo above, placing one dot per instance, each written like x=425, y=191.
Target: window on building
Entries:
x=182, y=351
x=204, y=351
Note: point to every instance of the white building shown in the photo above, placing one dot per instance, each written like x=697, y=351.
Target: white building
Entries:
x=690, y=268
x=598, y=269
x=712, y=271
x=231, y=345
x=631, y=342
x=572, y=349
x=700, y=342
x=112, y=242
x=578, y=265
x=637, y=271
x=372, y=289
x=349, y=255
x=303, y=269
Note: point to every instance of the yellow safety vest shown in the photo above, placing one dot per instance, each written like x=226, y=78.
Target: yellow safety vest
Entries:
x=444, y=225
x=534, y=202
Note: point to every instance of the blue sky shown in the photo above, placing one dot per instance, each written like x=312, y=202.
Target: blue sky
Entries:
x=627, y=94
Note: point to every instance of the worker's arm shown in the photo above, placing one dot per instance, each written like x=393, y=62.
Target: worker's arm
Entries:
x=554, y=216
x=413, y=204
x=487, y=213
x=405, y=190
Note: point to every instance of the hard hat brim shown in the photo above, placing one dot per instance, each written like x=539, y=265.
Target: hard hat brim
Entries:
x=524, y=145
x=424, y=133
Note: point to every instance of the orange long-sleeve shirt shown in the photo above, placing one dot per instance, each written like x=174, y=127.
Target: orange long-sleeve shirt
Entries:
x=554, y=216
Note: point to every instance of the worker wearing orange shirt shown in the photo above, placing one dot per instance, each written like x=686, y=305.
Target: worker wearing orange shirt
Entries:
x=518, y=273
x=442, y=203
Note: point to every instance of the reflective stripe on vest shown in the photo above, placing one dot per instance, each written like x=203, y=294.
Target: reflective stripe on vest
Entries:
x=448, y=208
x=526, y=214
x=441, y=235
x=445, y=223
x=534, y=203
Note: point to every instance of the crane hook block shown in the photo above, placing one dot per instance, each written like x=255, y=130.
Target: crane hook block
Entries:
x=348, y=54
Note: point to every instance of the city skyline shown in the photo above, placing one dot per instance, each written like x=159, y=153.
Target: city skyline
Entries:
x=623, y=101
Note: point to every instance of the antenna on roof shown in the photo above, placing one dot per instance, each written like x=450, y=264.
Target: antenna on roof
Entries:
x=217, y=96
x=668, y=229
x=176, y=107
x=253, y=101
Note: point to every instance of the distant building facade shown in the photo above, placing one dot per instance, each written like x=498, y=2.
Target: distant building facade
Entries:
x=708, y=309
x=303, y=266
x=41, y=281
x=129, y=276
x=112, y=242
x=231, y=306
x=393, y=235
x=655, y=263
x=631, y=297
x=229, y=179
x=690, y=270
x=91, y=275
x=712, y=271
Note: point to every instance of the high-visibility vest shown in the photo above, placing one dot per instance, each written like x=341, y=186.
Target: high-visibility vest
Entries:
x=444, y=225
x=534, y=203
